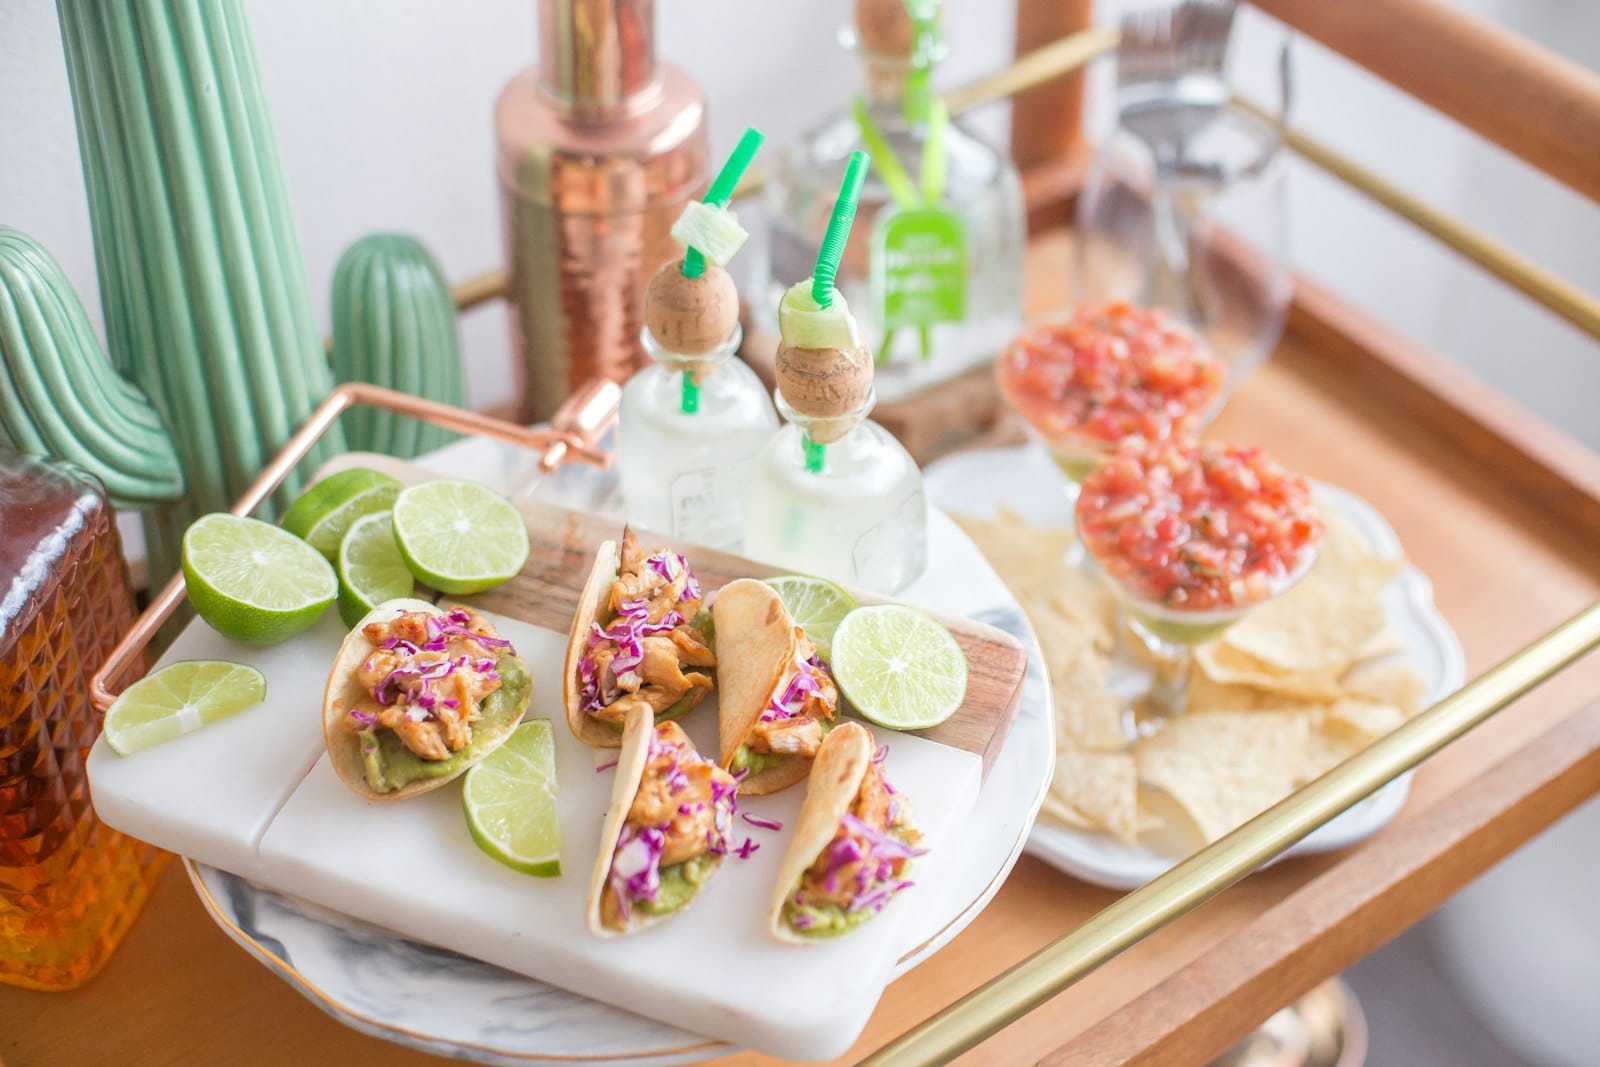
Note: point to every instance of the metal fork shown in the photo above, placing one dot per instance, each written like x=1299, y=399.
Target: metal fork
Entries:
x=1171, y=84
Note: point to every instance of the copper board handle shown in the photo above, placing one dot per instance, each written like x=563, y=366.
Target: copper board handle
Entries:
x=584, y=417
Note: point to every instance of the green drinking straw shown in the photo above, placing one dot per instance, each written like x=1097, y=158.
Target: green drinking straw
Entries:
x=694, y=261
x=833, y=241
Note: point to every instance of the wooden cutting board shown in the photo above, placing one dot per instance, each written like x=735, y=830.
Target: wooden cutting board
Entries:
x=563, y=544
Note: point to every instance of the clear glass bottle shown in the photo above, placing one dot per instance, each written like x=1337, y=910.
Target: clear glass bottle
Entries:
x=879, y=274
x=853, y=510
x=683, y=466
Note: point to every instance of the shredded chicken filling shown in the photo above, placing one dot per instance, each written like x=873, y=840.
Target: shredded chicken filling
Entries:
x=649, y=653
x=426, y=679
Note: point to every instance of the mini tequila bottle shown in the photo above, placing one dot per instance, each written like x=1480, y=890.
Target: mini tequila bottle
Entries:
x=935, y=269
x=690, y=426
x=834, y=494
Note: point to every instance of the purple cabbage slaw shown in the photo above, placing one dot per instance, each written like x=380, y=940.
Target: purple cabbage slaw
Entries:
x=801, y=684
x=636, y=863
x=627, y=631
x=875, y=880
x=423, y=701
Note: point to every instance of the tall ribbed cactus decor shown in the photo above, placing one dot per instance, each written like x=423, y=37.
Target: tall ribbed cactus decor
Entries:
x=215, y=359
x=394, y=322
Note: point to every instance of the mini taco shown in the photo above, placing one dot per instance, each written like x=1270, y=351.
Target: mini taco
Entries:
x=639, y=639
x=777, y=700
x=666, y=832
x=852, y=846
x=417, y=695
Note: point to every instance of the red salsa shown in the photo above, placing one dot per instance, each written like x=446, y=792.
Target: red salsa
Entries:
x=1197, y=527
x=1111, y=372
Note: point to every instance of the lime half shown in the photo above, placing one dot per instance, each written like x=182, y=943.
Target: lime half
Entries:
x=898, y=667
x=323, y=514
x=179, y=699
x=370, y=568
x=252, y=581
x=817, y=606
x=459, y=537
x=510, y=801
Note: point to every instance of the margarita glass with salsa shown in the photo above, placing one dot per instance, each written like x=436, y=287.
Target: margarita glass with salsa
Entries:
x=1106, y=373
x=1192, y=536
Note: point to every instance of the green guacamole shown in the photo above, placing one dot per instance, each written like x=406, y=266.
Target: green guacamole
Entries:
x=391, y=765
x=829, y=920
x=754, y=762
x=679, y=884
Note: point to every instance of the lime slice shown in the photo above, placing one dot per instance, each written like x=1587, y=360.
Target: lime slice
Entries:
x=715, y=231
x=324, y=513
x=510, y=801
x=252, y=581
x=817, y=607
x=802, y=324
x=898, y=667
x=370, y=568
x=459, y=537
x=179, y=699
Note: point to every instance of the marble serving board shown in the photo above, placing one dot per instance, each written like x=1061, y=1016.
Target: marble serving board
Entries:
x=254, y=794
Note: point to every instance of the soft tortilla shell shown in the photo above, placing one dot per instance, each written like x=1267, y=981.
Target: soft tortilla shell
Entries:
x=836, y=775
x=342, y=693
x=636, y=737
x=586, y=727
x=755, y=642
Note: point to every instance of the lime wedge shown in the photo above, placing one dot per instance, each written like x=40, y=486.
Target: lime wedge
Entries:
x=324, y=513
x=252, y=581
x=715, y=231
x=370, y=568
x=803, y=324
x=179, y=699
x=817, y=607
x=459, y=537
x=898, y=667
x=510, y=801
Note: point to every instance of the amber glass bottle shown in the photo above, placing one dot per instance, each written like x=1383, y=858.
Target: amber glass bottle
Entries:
x=69, y=886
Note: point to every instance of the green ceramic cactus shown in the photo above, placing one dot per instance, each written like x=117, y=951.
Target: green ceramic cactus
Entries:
x=201, y=279
x=61, y=396
x=394, y=323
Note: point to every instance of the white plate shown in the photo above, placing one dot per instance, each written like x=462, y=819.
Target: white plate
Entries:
x=441, y=1002
x=1025, y=479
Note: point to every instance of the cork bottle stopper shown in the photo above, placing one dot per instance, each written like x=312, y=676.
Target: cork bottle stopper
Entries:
x=884, y=27
x=830, y=386
x=691, y=316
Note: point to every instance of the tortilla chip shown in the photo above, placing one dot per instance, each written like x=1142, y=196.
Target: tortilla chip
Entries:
x=1061, y=641
x=1319, y=625
x=1088, y=715
x=1386, y=642
x=1064, y=813
x=1390, y=682
x=1226, y=663
x=1024, y=556
x=1361, y=722
x=1101, y=787
x=1224, y=768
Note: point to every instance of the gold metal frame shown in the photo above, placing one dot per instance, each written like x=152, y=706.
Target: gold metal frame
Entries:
x=579, y=422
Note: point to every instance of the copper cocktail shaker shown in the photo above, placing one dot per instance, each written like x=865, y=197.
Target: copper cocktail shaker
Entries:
x=599, y=148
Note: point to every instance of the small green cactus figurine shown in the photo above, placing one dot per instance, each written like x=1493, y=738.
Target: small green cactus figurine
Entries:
x=394, y=323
